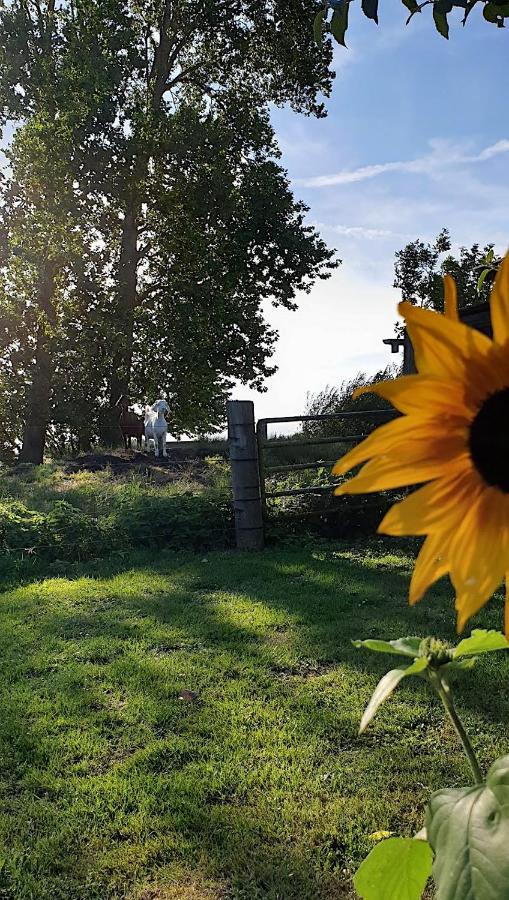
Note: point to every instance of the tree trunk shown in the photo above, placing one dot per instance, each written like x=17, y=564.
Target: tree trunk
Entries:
x=111, y=434
x=129, y=252
x=39, y=392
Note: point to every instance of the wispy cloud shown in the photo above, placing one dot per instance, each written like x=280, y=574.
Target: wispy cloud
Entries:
x=443, y=155
x=359, y=231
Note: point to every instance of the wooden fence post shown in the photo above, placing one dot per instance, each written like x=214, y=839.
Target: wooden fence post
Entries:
x=245, y=475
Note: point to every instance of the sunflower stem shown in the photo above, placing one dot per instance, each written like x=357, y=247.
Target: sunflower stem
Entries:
x=444, y=692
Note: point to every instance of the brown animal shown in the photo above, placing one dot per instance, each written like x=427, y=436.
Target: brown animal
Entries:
x=131, y=426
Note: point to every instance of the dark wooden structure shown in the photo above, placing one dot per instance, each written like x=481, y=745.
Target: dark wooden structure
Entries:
x=477, y=316
x=245, y=473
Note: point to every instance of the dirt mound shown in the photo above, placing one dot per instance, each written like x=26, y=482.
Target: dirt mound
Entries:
x=160, y=469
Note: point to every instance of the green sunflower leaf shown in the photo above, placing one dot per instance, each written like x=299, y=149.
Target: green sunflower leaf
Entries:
x=468, y=829
x=407, y=646
x=481, y=641
x=459, y=664
x=387, y=685
x=396, y=869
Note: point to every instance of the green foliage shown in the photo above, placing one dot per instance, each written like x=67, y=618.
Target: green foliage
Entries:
x=426, y=652
x=468, y=829
x=100, y=516
x=407, y=646
x=145, y=198
x=420, y=267
x=493, y=12
x=480, y=641
x=387, y=685
x=339, y=22
x=396, y=869
x=338, y=400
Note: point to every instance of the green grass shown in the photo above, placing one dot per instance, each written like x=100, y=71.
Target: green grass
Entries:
x=51, y=513
x=114, y=787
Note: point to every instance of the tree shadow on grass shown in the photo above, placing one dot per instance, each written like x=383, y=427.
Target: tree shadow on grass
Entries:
x=265, y=643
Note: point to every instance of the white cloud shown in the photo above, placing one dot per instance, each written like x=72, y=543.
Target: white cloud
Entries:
x=359, y=231
x=443, y=155
x=494, y=150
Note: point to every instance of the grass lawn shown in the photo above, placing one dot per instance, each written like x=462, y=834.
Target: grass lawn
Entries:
x=116, y=783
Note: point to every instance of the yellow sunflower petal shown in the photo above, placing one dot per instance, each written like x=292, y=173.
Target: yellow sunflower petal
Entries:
x=499, y=303
x=426, y=396
x=431, y=564
x=379, y=442
x=450, y=298
x=450, y=350
x=384, y=473
x=438, y=506
x=409, y=439
x=479, y=552
x=506, y=607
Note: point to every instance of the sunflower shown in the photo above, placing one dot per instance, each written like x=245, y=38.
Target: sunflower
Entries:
x=453, y=438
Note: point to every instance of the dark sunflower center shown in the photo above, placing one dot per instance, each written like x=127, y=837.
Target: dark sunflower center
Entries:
x=489, y=440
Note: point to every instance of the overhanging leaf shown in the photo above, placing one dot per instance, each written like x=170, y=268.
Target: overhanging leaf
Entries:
x=386, y=686
x=318, y=26
x=339, y=23
x=491, y=13
x=468, y=9
x=407, y=646
x=441, y=23
x=370, y=9
x=468, y=829
x=481, y=641
x=411, y=5
x=480, y=280
x=396, y=869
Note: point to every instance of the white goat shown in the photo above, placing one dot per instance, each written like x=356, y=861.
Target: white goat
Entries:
x=156, y=428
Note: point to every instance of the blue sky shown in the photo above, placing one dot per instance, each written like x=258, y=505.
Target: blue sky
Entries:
x=417, y=138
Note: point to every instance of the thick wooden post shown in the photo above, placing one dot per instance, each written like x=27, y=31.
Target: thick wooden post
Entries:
x=247, y=501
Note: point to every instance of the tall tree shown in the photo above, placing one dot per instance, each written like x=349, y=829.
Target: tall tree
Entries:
x=199, y=53
x=420, y=266
x=118, y=75
x=222, y=234
x=60, y=77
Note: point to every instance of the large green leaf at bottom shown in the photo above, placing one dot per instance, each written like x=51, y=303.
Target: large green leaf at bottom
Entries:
x=396, y=869
x=468, y=829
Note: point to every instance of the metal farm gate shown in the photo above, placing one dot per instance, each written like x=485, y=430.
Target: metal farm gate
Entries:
x=249, y=445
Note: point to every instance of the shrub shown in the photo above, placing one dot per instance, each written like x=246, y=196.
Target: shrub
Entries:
x=103, y=514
